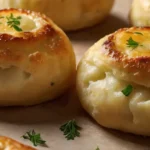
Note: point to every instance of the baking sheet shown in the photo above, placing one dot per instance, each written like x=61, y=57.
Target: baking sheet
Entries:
x=48, y=117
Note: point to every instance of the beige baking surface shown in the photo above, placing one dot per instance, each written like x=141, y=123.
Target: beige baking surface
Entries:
x=47, y=118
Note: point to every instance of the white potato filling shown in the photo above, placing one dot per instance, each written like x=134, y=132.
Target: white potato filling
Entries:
x=103, y=90
x=28, y=23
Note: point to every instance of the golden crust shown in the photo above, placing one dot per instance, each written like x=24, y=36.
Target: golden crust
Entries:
x=10, y=144
x=140, y=62
x=133, y=61
x=47, y=27
x=38, y=55
x=47, y=31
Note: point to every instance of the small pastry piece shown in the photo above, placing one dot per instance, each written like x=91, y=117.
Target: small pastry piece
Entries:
x=10, y=144
x=37, y=62
x=140, y=13
x=113, y=81
x=68, y=14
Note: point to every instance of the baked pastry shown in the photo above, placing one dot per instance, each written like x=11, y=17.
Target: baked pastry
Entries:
x=140, y=13
x=113, y=80
x=37, y=62
x=10, y=144
x=68, y=14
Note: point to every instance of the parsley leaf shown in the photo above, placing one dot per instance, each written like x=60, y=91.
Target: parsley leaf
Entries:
x=35, y=138
x=97, y=148
x=131, y=43
x=70, y=129
x=13, y=22
x=138, y=33
x=128, y=90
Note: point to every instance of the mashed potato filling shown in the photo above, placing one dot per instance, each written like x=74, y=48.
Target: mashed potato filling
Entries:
x=141, y=37
x=28, y=23
x=107, y=89
x=101, y=95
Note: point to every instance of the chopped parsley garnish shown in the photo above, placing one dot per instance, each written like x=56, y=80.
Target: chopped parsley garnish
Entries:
x=128, y=90
x=35, y=138
x=138, y=33
x=131, y=43
x=13, y=22
x=70, y=129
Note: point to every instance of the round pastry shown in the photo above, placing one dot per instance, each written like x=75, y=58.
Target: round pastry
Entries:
x=10, y=144
x=113, y=80
x=140, y=13
x=68, y=14
x=37, y=62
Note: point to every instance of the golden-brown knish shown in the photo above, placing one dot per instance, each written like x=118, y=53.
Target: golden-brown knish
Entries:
x=68, y=14
x=115, y=63
x=10, y=144
x=140, y=13
x=37, y=64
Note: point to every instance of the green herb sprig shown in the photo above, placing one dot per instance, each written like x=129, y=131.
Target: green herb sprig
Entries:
x=133, y=44
x=138, y=33
x=13, y=22
x=35, y=138
x=128, y=90
x=97, y=148
x=70, y=129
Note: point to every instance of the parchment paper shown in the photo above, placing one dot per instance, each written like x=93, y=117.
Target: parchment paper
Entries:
x=48, y=117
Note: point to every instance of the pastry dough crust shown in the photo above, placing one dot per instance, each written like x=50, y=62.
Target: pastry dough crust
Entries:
x=37, y=64
x=10, y=144
x=107, y=68
x=140, y=13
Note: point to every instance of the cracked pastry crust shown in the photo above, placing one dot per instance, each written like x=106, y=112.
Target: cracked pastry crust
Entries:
x=67, y=14
x=37, y=64
x=107, y=68
x=10, y=144
x=140, y=13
